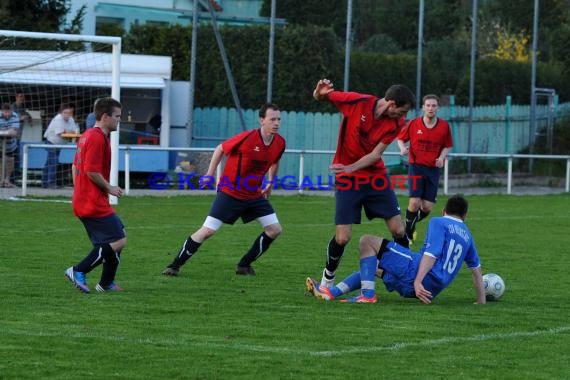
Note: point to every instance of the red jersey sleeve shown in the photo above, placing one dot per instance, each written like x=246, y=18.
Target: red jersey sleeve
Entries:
x=345, y=101
x=233, y=143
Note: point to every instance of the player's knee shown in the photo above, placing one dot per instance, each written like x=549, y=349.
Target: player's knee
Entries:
x=398, y=230
x=205, y=233
x=273, y=230
x=118, y=245
x=414, y=204
x=368, y=245
x=342, y=239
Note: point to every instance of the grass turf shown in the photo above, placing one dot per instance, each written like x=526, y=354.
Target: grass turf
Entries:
x=210, y=324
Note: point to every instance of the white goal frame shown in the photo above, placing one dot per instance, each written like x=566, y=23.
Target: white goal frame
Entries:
x=115, y=42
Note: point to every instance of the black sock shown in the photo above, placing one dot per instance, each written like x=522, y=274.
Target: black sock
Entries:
x=91, y=261
x=412, y=217
x=422, y=214
x=383, y=248
x=111, y=262
x=334, y=255
x=260, y=245
x=402, y=240
x=188, y=250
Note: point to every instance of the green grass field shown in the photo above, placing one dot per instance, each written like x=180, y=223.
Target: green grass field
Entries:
x=210, y=324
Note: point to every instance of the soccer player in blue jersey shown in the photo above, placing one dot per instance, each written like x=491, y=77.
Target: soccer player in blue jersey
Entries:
x=422, y=275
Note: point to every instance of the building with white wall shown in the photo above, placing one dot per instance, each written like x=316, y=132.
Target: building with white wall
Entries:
x=124, y=13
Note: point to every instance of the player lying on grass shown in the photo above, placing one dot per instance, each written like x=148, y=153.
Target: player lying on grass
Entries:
x=422, y=275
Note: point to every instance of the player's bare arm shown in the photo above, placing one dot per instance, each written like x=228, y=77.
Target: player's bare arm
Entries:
x=214, y=162
x=404, y=150
x=440, y=161
x=477, y=277
x=367, y=160
x=100, y=181
x=323, y=89
x=271, y=174
x=422, y=293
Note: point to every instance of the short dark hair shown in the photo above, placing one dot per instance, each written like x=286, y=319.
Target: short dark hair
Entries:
x=6, y=107
x=65, y=106
x=401, y=95
x=457, y=205
x=430, y=96
x=267, y=106
x=105, y=106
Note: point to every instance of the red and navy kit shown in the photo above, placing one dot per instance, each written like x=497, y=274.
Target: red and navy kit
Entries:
x=248, y=161
x=360, y=132
x=426, y=143
x=93, y=155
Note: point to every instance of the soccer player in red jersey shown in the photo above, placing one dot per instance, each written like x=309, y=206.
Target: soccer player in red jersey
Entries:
x=251, y=155
x=430, y=141
x=369, y=124
x=91, y=170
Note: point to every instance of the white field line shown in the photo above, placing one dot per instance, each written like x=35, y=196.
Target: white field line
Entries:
x=446, y=340
x=229, y=345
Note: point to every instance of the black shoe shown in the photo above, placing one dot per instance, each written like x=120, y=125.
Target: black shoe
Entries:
x=245, y=271
x=171, y=271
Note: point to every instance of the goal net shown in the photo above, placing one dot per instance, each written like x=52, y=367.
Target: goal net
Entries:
x=52, y=78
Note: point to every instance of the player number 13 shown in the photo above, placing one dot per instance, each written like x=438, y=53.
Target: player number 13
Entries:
x=453, y=254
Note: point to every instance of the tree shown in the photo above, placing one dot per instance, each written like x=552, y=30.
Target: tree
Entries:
x=48, y=16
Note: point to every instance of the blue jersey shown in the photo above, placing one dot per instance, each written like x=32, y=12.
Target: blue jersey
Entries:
x=449, y=241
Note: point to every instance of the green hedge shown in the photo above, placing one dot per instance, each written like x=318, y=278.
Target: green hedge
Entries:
x=303, y=54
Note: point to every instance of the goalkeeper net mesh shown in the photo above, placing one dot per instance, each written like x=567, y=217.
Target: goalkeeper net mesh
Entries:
x=37, y=77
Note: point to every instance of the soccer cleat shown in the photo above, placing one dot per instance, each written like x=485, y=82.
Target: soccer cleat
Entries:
x=360, y=299
x=77, y=279
x=171, y=271
x=245, y=271
x=318, y=291
x=111, y=288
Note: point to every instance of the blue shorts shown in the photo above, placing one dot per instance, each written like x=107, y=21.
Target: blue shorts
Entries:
x=400, y=267
x=228, y=209
x=424, y=187
x=378, y=200
x=104, y=230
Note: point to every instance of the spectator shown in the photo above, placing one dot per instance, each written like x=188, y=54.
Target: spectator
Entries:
x=9, y=122
x=63, y=122
x=19, y=106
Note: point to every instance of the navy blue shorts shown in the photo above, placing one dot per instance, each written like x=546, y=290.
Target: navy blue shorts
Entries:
x=104, y=230
x=377, y=198
x=423, y=182
x=229, y=209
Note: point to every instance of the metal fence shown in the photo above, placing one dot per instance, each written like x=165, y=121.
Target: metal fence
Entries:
x=304, y=166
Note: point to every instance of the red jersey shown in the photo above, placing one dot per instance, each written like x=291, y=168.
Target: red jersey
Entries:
x=426, y=143
x=93, y=155
x=248, y=161
x=360, y=132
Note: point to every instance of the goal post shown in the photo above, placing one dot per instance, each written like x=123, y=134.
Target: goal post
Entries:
x=54, y=66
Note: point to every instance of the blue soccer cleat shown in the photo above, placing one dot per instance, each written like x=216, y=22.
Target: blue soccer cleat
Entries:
x=77, y=279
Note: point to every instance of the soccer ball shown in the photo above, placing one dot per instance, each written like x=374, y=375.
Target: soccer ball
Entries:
x=494, y=286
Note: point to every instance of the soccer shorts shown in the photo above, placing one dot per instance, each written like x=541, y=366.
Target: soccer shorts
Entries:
x=104, y=230
x=423, y=182
x=229, y=209
x=377, y=198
